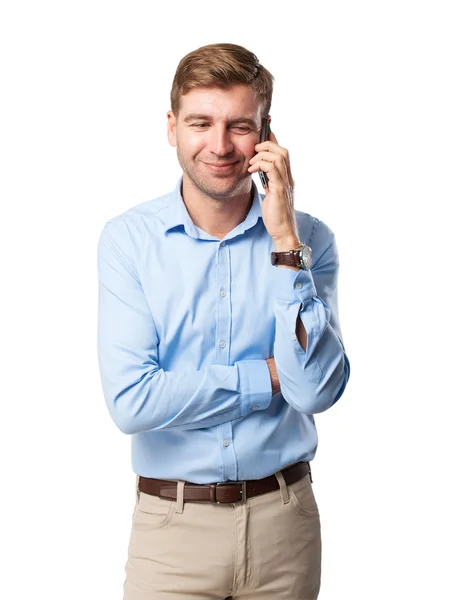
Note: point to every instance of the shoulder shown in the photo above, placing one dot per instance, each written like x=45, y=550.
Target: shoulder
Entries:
x=150, y=208
x=143, y=218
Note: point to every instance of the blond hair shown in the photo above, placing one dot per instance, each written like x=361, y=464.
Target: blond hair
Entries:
x=221, y=65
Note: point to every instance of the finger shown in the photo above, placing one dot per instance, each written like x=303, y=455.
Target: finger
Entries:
x=269, y=156
x=272, y=142
x=273, y=146
x=272, y=172
x=262, y=164
x=277, y=159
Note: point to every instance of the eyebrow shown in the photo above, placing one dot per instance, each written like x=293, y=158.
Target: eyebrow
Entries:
x=200, y=117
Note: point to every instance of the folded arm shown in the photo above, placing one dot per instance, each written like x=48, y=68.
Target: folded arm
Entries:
x=141, y=396
x=309, y=354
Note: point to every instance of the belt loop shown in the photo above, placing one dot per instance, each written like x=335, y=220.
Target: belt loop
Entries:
x=310, y=472
x=180, y=497
x=283, y=487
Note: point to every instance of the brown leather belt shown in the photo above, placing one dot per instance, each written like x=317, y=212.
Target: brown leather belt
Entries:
x=225, y=492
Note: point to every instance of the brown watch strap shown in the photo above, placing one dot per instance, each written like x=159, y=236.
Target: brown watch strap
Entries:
x=289, y=258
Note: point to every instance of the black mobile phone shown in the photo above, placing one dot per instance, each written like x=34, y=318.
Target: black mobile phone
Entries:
x=264, y=133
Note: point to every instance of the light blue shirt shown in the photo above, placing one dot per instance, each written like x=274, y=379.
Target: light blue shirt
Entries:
x=185, y=324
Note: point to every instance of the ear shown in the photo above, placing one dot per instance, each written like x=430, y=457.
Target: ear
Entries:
x=171, y=128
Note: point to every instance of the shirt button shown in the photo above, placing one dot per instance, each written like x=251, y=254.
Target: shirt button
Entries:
x=226, y=443
x=294, y=337
x=223, y=244
x=255, y=407
x=298, y=286
x=222, y=344
x=222, y=293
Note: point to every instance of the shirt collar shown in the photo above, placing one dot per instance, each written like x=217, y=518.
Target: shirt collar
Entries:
x=177, y=215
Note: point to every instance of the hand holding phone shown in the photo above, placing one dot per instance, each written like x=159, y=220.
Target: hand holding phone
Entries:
x=264, y=134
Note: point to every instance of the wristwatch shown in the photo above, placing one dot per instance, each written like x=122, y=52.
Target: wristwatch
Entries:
x=299, y=257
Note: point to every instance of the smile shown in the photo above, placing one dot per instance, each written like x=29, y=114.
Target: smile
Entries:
x=220, y=168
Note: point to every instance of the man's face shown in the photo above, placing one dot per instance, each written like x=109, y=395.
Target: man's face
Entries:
x=215, y=133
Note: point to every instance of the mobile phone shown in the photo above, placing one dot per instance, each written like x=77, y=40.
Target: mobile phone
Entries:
x=264, y=133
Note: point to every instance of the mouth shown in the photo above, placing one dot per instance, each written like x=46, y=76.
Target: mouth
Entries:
x=221, y=167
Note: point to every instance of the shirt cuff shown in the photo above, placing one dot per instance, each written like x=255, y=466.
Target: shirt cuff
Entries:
x=294, y=286
x=255, y=385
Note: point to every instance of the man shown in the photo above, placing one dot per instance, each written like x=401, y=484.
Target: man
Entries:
x=215, y=353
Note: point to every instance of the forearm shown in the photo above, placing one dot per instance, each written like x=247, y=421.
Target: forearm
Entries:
x=311, y=379
x=151, y=399
x=274, y=377
x=310, y=358
x=284, y=245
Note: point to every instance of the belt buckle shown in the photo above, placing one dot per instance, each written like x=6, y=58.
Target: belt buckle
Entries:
x=243, y=491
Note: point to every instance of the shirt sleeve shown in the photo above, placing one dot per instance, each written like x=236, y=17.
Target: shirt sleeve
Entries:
x=141, y=396
x=313, y=380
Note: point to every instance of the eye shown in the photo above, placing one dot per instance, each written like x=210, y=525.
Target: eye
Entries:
x=241, y=129
x=200, y=125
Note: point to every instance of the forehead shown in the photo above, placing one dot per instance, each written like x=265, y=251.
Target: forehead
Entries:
x=230, y=103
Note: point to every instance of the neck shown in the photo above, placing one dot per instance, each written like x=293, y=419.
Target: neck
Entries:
x=215, y=217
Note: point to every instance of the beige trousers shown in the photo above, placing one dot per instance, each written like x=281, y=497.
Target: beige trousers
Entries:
x=268, y=548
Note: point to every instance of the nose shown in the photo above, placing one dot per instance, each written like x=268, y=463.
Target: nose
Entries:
x=220, y=142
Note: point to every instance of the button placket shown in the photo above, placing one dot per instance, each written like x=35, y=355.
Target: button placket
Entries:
x=223, y=324
x=223, y=342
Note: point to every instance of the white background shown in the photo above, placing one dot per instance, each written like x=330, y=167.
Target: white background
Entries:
x=361, y=101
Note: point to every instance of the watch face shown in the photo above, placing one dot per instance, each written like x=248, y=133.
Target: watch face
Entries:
x=306, y=256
